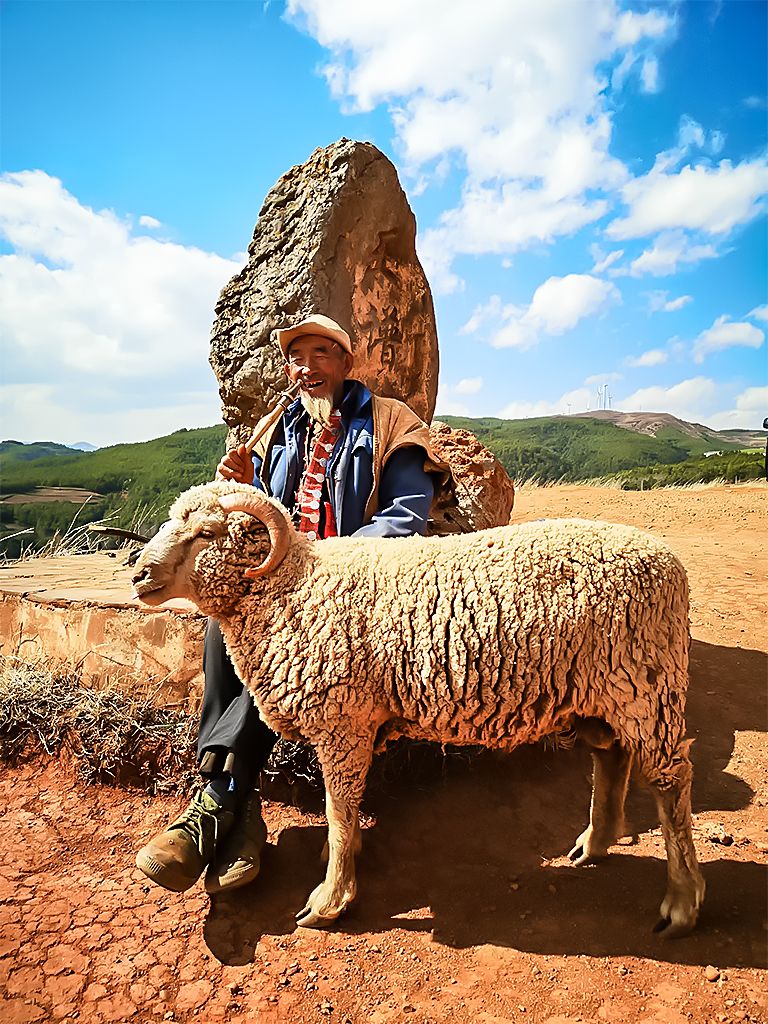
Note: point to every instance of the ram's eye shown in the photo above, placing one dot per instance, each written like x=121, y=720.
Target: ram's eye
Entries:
x=206, y=533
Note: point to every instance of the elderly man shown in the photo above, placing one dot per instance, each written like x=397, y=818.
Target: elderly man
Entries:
x=346, y=463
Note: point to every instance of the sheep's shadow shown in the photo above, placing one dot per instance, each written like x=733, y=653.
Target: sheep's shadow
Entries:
x=727, y=694
x=469, y=858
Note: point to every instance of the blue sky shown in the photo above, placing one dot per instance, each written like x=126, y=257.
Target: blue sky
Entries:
x=588, y=178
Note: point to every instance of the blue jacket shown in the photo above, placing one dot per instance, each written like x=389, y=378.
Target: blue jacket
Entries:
x=405, y=490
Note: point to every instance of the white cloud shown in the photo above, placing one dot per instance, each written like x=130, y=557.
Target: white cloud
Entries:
x=400, y=49
x=557, y=306
x=437, y=262
x=621, y=72
x=483, y=314
x=560, y=302
x=449, y=407
x=653, y=357
x=46, y=412
x=513, y=93
x=709, y=199
x=758, y=313
x=726, y=333
x=697, y=400
x=688, y=400
x=716, y=141
x=118, y=319
x=748, y=413
x=632, y=27
x=149, y=222
x=84, y=294
x=700, y=400
x=669, y=251
x=659, y=303
x=674, y=304
x=603, y=260
x=691, y=136
x=499, y=219
x=603, y=378
x=649, y=75
x=578, y=400
x=468, y=386
x=447, y=395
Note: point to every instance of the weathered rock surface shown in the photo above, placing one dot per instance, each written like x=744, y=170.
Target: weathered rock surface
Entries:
x=76, y=611
x=481, y=493
x=335, y=235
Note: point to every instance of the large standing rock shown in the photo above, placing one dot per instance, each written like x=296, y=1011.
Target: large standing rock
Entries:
x=335, y=235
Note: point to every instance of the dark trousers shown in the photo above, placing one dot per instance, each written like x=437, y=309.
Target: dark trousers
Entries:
x=232, y=737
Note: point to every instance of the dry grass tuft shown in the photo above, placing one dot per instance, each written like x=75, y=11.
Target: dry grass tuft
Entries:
x=111, y=736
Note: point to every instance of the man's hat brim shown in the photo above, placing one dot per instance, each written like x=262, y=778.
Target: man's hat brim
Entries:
x=319, y=324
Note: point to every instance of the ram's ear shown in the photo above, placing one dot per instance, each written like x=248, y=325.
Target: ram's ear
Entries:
x=276, y=524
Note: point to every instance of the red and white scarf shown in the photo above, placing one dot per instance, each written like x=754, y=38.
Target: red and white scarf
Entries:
x=310, y=493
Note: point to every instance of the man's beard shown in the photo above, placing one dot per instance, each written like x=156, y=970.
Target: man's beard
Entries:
x=319, y=409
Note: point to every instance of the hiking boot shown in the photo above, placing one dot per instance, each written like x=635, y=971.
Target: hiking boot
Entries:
x=177, y=857
x=238, y=860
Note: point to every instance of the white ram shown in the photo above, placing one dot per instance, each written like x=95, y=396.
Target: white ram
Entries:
x=496, y=638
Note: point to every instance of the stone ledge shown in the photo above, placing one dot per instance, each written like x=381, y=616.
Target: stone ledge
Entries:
x=76, y=611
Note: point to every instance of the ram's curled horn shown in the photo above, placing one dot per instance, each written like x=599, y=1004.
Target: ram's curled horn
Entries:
x=277, y=527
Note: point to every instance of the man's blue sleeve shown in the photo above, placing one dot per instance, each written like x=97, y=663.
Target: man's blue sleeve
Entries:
x=257, y=464
x=405, y=496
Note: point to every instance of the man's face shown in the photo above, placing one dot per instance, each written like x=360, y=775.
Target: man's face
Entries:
x=318, y=365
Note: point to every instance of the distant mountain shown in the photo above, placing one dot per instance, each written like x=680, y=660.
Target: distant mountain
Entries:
x=654, y=424
x=84, y=446
x=16, y=451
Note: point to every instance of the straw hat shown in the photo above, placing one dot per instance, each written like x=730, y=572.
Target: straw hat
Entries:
x=315, y=323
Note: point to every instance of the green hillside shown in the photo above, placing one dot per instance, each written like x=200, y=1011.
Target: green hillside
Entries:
x=15, y=451
x=569, y=448
x=137, y=483
x=148, y=470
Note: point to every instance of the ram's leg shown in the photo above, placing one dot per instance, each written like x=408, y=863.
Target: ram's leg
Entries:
x=606, y=813
x=345, y=768
x=685, y=886
x=357, y=845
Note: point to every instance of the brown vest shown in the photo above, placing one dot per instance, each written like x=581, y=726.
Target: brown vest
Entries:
x=394, y=426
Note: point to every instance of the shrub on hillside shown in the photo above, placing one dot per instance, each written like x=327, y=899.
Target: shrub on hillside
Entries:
x=731, y=467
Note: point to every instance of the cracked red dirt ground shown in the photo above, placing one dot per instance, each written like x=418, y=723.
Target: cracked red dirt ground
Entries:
x=468, y=910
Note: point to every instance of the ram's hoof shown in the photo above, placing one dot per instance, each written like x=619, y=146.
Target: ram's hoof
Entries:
x=588, y=849
x=308, y=918
x=668, y=929
x=578, y=856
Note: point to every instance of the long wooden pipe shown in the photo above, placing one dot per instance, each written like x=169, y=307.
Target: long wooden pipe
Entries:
x=283, y=402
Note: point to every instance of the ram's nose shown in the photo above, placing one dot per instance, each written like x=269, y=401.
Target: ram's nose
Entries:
x=139, y=576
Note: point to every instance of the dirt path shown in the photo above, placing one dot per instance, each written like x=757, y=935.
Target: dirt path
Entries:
x=468, y=911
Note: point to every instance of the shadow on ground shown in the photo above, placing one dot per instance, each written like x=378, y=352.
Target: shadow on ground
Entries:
x=469, y=858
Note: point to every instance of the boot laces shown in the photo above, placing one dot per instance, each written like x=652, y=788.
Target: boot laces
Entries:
x=194, y=820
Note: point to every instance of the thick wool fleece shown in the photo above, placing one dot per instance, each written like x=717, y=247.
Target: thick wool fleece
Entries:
x=497, y=638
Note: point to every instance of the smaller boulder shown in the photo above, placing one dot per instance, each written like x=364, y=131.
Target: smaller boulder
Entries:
x=480, y=494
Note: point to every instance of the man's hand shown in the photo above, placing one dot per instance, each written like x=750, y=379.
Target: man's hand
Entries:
x=237, y=465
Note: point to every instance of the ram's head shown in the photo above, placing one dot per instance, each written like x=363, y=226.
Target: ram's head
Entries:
x=218, y=537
